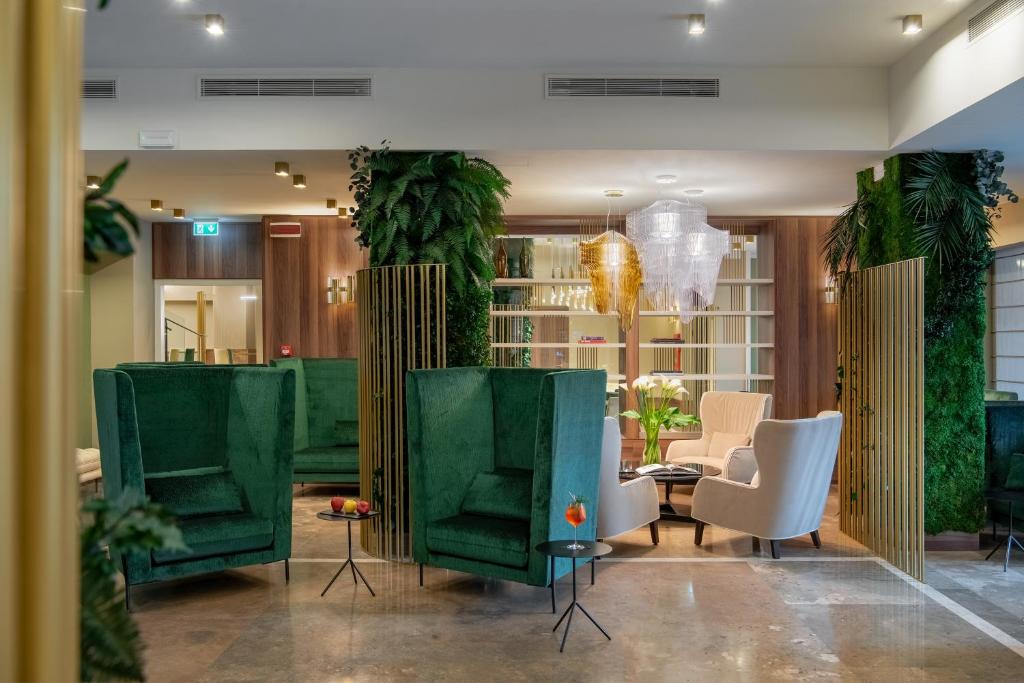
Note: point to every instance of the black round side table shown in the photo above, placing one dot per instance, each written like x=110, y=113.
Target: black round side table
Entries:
x=332, y=516
x=590, y=550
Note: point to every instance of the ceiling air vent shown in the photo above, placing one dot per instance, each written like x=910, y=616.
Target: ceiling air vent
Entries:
x=990, y=17
x=285, y=87
x=99, y=89
x=631, y=86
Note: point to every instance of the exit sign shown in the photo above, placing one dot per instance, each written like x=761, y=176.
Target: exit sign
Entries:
x=205, y=228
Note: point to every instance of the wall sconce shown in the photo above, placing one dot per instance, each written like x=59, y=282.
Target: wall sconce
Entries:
x=830, y=291
x=341, y=290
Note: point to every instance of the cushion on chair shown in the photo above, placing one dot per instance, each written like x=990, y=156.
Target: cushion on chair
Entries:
x=485, y=539
x=327, y=459
x=208, y=536
x=189, y=495
x=721, y=442
x=346, y=432
x=506, y=493
x=1015, y=473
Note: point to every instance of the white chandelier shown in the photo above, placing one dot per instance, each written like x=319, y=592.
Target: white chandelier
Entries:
x=680, y=254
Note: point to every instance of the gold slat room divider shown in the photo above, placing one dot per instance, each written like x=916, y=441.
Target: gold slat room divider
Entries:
x=881, y=455
x=401, y=327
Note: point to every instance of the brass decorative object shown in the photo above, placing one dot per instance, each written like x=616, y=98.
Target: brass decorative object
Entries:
x=401, y=327
x=612, y=264
x=881, y=454
x=340, y=291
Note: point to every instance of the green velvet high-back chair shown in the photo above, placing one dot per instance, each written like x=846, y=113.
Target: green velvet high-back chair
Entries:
x=326, y=418
x=213, y=444
x=494, y=454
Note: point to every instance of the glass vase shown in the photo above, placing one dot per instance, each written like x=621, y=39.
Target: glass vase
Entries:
x=652, y=451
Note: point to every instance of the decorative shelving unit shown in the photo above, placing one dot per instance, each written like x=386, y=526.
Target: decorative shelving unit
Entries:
x=543, y=320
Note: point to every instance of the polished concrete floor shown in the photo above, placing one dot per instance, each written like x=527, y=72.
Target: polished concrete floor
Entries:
x=676, y=612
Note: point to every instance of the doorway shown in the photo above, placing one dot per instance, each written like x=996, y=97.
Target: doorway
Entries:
x=210, y=321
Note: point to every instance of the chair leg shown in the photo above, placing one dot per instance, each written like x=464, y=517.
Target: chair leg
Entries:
x=775, y=548
x=287, y=572
x=816, y=539
x=698, y=533
x=654, y=532
x=593, y=564
x=421, y=575
x=755, y=543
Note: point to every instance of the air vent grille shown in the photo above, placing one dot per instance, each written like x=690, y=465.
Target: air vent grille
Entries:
x=631, y=86
x=990, y=17
x=99, y=89
x=285, y=87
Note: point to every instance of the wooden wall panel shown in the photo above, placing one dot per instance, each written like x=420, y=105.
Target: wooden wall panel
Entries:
x=234, y=254
x=806, y=353
x=295, y=308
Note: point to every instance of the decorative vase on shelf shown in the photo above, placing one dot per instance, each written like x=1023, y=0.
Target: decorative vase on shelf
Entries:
x=525, y=262
x=501, y=260
x=652, y=451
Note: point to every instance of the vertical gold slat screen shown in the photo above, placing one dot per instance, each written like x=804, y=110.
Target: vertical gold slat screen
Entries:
x=401, y=327
x=881, y=454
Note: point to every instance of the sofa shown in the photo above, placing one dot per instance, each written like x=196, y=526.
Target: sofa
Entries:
x=494, y=454
x=211, y=444
x=326, y=418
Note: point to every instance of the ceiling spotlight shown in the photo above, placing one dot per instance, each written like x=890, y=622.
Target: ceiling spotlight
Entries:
x=696, y=24
x=332, y=203
x=613, y=194
x=666, y=179
x=93, y=182
x=694, y=191
x=215, y=24
x=912, y=24
x=179, y=213
x=299, y=181
x=281, y=169
x=156, y=205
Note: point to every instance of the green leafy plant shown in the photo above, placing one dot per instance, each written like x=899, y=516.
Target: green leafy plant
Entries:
x=107, y=220
x=111, y=648
x=655, y=411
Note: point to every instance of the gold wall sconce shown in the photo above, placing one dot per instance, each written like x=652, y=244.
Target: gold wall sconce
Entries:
x=341, y=290
x=830, y=291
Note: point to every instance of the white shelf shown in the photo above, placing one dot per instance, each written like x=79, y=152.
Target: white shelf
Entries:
x=654, y=345
x=556, y=345
x=709, y=314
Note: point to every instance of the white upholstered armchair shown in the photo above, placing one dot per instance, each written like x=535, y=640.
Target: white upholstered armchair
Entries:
x=787, y=498
x=623, y=506
x=728, y=419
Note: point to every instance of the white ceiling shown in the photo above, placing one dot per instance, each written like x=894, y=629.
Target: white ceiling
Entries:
x=232, y=184
x=570, y=34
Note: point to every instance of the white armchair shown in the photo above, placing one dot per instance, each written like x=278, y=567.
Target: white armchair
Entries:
x=795, y=459
x=728, y=419
x=623, y=506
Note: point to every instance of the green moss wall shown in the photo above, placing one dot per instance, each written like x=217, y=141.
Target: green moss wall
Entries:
x=954, y=419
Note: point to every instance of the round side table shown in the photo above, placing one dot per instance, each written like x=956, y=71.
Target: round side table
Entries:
x=332, y=516
x=590, y=550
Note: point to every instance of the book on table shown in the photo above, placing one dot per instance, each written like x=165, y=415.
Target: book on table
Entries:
x=669, y=468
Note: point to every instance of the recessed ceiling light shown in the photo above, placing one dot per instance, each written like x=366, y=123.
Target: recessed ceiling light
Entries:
x=156, y=205
x=179, y=213
x=696, y=24
x=93, y=182
x=299, y=181
x=665, y=179
x=215, y=24
x=694, y=191
x=913, y=24
x=613, y=194
x=281, y=169
x=332, y=203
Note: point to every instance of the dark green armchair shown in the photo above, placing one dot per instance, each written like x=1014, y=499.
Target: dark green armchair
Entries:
x=493, y=456
x=326, y=418
x=211, y=444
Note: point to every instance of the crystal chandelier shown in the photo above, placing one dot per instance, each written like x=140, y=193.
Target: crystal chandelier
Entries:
x=611, y=263
x=680, y=254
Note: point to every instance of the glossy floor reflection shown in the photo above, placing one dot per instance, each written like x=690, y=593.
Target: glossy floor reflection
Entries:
x=675, y=612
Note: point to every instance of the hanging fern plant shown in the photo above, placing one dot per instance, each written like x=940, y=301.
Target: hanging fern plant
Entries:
x=107, y=221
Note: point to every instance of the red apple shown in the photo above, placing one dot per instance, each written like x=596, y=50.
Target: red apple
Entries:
x=362, y=507
x=337, y=503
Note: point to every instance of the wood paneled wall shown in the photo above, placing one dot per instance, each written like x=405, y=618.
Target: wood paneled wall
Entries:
x=295, y=308
x=806, y=353
x=234, y=254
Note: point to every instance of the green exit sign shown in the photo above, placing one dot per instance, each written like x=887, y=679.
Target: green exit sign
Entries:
x=205, y=228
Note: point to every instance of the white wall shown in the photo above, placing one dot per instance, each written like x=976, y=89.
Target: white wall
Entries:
x=760, y=109
x=1009, y=229
x=1006, y=327
x=946, y=74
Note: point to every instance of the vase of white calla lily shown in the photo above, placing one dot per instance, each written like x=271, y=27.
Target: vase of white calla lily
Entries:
x=655, y=411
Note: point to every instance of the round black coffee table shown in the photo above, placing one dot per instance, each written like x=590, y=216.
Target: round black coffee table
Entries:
x=332, y=516
x=591, y=550
x=669, y=512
